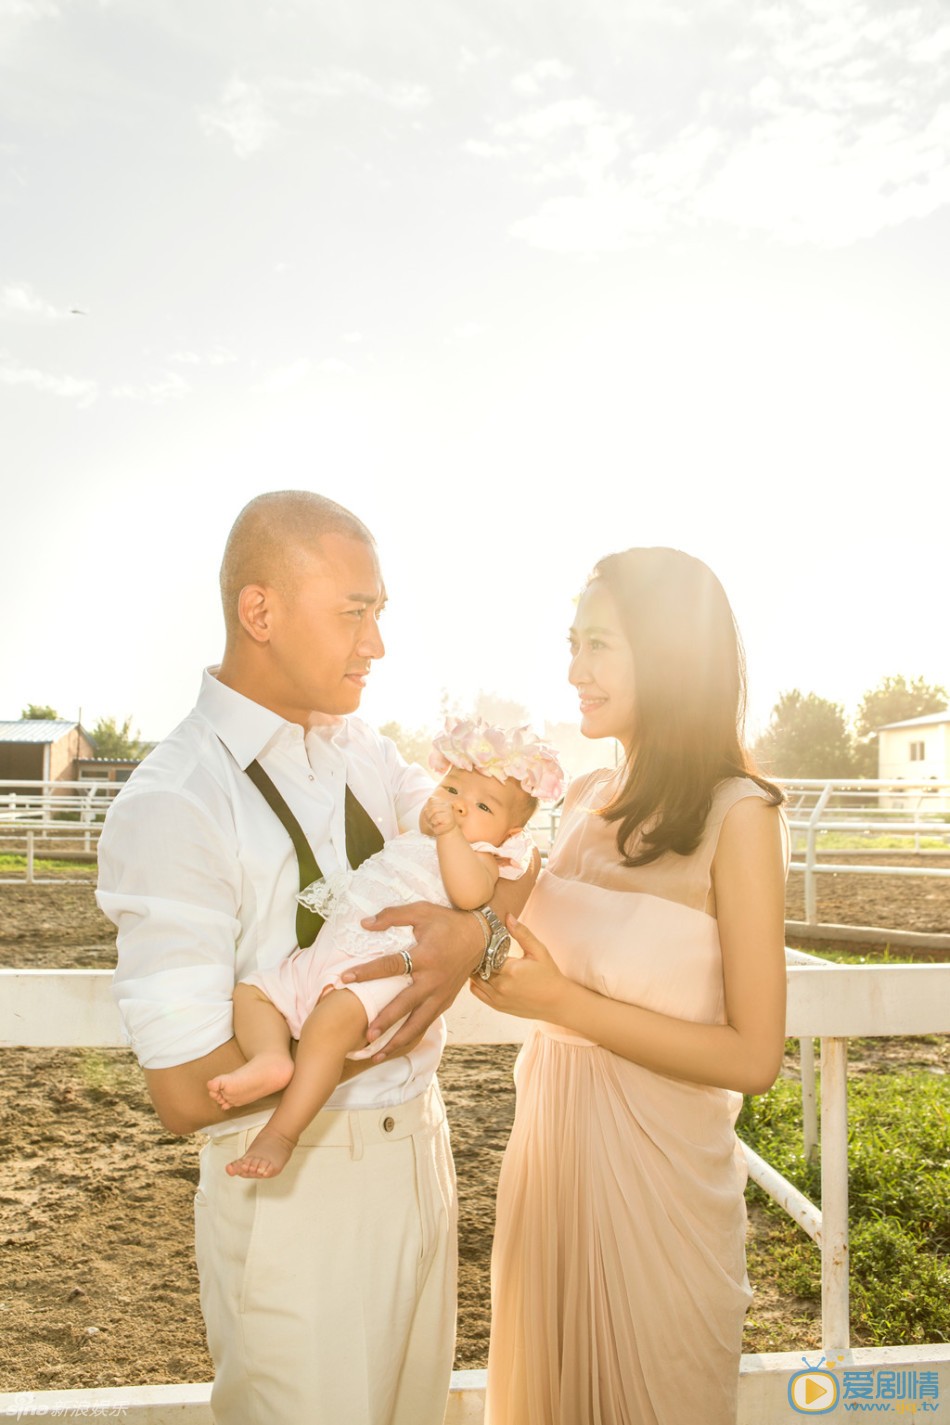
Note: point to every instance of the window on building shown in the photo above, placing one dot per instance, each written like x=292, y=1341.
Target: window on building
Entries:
x=916, y=751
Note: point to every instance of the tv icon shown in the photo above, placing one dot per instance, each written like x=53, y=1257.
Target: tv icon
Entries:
x=813, y=1392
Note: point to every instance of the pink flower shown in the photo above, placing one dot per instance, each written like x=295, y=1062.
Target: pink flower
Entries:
x=477, y=746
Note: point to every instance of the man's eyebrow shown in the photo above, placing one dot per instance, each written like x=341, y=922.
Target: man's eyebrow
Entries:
x=377, y=598
x=592, y=628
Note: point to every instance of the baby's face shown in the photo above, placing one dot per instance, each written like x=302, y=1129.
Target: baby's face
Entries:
x=485, y=808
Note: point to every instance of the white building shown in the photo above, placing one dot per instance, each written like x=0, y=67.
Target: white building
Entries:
x=917, y=750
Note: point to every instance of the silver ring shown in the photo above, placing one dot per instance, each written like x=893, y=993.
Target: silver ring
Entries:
x=408, y=959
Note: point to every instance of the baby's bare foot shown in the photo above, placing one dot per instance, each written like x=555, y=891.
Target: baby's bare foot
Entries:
x=266, y=1156
x=260, y=1076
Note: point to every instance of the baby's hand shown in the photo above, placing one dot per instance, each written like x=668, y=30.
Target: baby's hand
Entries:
x=437, y=817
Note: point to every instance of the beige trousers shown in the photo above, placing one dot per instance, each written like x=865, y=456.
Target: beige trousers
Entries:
x=329, y=1292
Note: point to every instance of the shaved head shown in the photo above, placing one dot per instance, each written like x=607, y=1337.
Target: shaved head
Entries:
x=271, y=540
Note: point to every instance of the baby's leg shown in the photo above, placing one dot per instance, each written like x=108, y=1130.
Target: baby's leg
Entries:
x=263, y=1035
x=330, y=1031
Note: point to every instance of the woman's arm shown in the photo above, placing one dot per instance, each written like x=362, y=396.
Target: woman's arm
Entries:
x=745, y=1053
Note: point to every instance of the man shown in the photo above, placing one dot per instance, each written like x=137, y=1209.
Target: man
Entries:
x=329, y=1292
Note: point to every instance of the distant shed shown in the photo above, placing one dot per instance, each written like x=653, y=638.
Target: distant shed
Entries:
x=42, y=750
x=917, y=750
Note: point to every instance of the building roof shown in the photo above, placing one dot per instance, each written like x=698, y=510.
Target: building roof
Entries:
x=928, y=720
x=36, y=729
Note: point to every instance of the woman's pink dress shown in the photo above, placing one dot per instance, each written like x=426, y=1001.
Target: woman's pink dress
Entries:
x=619, y=1285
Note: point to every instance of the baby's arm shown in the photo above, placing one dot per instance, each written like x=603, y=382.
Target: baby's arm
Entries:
x=469, y=876
x=334, y=1027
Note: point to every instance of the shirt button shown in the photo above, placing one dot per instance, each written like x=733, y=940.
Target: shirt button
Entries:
x=309, y=776
x=388, y=1125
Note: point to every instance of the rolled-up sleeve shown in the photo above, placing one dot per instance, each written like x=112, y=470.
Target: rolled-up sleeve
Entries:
x=170, y=883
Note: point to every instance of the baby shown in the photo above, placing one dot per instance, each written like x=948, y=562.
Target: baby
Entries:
x=471, y=831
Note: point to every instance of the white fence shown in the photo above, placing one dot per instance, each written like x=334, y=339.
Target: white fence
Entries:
x=52, y=820
x=911, y=812
x=48, y=1008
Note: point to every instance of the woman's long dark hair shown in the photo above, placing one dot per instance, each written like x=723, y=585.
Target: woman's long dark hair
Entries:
x=690, y=690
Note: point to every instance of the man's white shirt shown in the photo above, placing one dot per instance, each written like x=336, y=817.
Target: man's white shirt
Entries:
x=200, y=876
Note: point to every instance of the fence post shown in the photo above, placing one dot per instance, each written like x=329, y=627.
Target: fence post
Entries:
x=806, y=1056
x=835, y=1294
x=29, y=855
x=811, y=897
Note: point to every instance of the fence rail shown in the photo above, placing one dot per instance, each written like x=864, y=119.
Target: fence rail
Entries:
x=49, y=820
x=831, y=1002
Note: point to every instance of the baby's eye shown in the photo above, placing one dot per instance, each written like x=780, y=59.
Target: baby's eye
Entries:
x=482, y=807
x=451, y=790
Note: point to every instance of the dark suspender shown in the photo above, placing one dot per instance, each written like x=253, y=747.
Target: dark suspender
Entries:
x=363, y=838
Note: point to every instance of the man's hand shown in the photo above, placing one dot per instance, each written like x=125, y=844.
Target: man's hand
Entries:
x=449, y=947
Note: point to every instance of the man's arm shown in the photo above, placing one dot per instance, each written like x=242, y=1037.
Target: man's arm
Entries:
x=180, y=1095
x=448, y=949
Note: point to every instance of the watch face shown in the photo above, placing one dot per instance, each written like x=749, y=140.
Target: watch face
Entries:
x=500, y=954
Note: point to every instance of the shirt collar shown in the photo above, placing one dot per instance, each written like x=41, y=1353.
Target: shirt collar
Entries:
x=246, y=728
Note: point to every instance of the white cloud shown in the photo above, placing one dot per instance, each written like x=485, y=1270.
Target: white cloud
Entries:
x=333, y=366
x=284, y=378
x=605, y=220
x=250, y=115
x=540, y=124
x=240, y=114
x=169, y=387
x=532, y=80
x=217, y=356
x=28, y=9
x=349, y=83
x=70, y=388
x=353, y=338
x=480, y=149
x=19, y=300
x=835, y=139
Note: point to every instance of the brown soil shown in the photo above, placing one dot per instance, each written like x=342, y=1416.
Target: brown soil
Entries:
x=97, y=1278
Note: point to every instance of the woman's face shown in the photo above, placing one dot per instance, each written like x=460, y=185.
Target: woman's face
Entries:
x=602, y=667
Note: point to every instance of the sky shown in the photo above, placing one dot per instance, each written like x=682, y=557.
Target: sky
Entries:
x=520, y=283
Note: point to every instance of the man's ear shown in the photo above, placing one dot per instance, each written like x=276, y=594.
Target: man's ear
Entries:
x=255, y=611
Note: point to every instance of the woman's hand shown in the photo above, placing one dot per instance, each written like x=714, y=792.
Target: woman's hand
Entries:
x=531, y=987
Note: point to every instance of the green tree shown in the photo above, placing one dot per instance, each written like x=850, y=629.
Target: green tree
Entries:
x=807, y=736
x=893, y=700
x=415, y=743
x=39, y=712
x=110, y=740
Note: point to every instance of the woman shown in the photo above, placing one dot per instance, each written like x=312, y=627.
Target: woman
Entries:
x=655, y=965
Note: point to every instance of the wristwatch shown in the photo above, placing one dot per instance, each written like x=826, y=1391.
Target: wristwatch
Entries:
x=496, y=946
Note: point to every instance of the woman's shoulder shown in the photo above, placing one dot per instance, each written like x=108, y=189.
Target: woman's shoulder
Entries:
x=591, y=789
x=735, y=789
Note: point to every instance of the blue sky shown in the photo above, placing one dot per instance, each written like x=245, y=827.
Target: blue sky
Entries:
x=519, y=283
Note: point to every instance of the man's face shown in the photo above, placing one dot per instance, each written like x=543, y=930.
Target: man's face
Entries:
x=325, y=631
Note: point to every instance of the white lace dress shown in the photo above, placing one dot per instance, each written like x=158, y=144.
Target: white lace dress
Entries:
x=405, y=870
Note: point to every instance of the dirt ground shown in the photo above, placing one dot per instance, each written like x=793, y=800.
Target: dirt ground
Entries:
x=97, y=1277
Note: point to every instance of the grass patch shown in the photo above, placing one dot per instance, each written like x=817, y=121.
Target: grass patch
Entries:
x=899, y=1156
x=875, y=841
x=12, y=864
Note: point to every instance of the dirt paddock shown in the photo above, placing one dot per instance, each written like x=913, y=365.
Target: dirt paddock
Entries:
x=97, y=1278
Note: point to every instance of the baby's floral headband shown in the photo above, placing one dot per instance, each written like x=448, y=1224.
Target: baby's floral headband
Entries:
x=476, y=746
